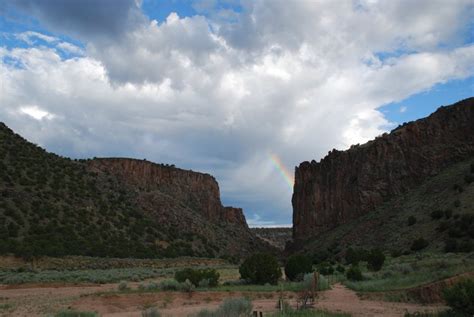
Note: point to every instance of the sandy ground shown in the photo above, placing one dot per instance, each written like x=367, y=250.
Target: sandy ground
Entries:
x=341, y=299
x=38, y=300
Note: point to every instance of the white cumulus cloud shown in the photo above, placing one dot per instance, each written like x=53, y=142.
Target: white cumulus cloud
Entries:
x=218, y=95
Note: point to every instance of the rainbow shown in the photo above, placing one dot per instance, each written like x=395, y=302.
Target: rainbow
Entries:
x=283, y=170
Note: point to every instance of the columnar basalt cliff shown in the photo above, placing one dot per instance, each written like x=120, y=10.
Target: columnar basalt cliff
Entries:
x=197, y=191
x=347, y=184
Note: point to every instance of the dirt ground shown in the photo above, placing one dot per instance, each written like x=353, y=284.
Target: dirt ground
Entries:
x=40, y=300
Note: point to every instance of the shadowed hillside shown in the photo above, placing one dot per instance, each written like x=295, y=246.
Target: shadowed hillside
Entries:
x=56, y=206
x=405, y=191
x=440, y=211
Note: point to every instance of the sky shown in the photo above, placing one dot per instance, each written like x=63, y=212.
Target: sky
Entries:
x=243, y=90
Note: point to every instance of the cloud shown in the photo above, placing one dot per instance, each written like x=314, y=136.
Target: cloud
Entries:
x=256, y=221
x=36, y=113
x=86, y=19
x=70, y=48
x=217, y=96
x=31, y=37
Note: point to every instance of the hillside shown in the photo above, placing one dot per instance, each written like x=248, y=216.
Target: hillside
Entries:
x=51, y=205
x=415, y=183
x=346, y=185
x=440, y=210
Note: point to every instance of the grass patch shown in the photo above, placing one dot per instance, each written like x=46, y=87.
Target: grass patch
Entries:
x=6, y=306
x=323, y=284
x=83, y=276
x=309, y=313
x=73, y=313
x=99, y=276
x=231, y=307
x=412, y=271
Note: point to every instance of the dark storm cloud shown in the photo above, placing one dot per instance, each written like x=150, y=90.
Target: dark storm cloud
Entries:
x=86, y=19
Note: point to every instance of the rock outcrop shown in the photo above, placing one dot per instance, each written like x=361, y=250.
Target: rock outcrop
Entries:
x=278, y=237
x=197, y=191
x=186, y=202
x=347, y=184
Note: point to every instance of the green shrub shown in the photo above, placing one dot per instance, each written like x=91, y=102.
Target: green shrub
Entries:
x=205, y=313
x=460, y=297
x=396, y=253
x=73, y=313
x=173, y=285
x=457, y=203
x=321, y=256
x=458, y=188
x=443, y=226
x=354, y=274
x=169, y=285
x=235, y=282
x=260, y=268
x=325, y=268
x=352, y=256
x=451, y=245
x=187, y=286
x=151, y=312
x=289, y=312
x=231, y=307
x=465, y=246
x=340, y=269
x=375, y=260
x=122, y=286
x=411, y=220
x=468, y=178
x=204, y=283
x=297, y=266
x=436, y=214
x=308, y=279
x=235, y=307
x=419, y=244
x=195, y=276
x=151, y=286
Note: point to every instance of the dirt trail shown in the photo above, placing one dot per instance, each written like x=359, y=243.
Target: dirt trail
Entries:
x=38, y=301
x=342, y=299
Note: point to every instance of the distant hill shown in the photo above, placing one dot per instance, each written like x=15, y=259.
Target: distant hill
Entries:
x=278, y=236
x=51, y=205
x=365, y=196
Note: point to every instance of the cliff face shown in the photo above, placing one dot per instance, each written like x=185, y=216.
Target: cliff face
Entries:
x=196, y=191
x=347, y=184
x=278, y=237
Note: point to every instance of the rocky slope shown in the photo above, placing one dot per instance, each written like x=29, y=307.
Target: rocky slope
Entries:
x=348, y=184
x=56, y=206
x=277, y=237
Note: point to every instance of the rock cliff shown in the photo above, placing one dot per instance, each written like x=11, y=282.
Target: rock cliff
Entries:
x=197, y=191
x=347, y=184
x=278, y=237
